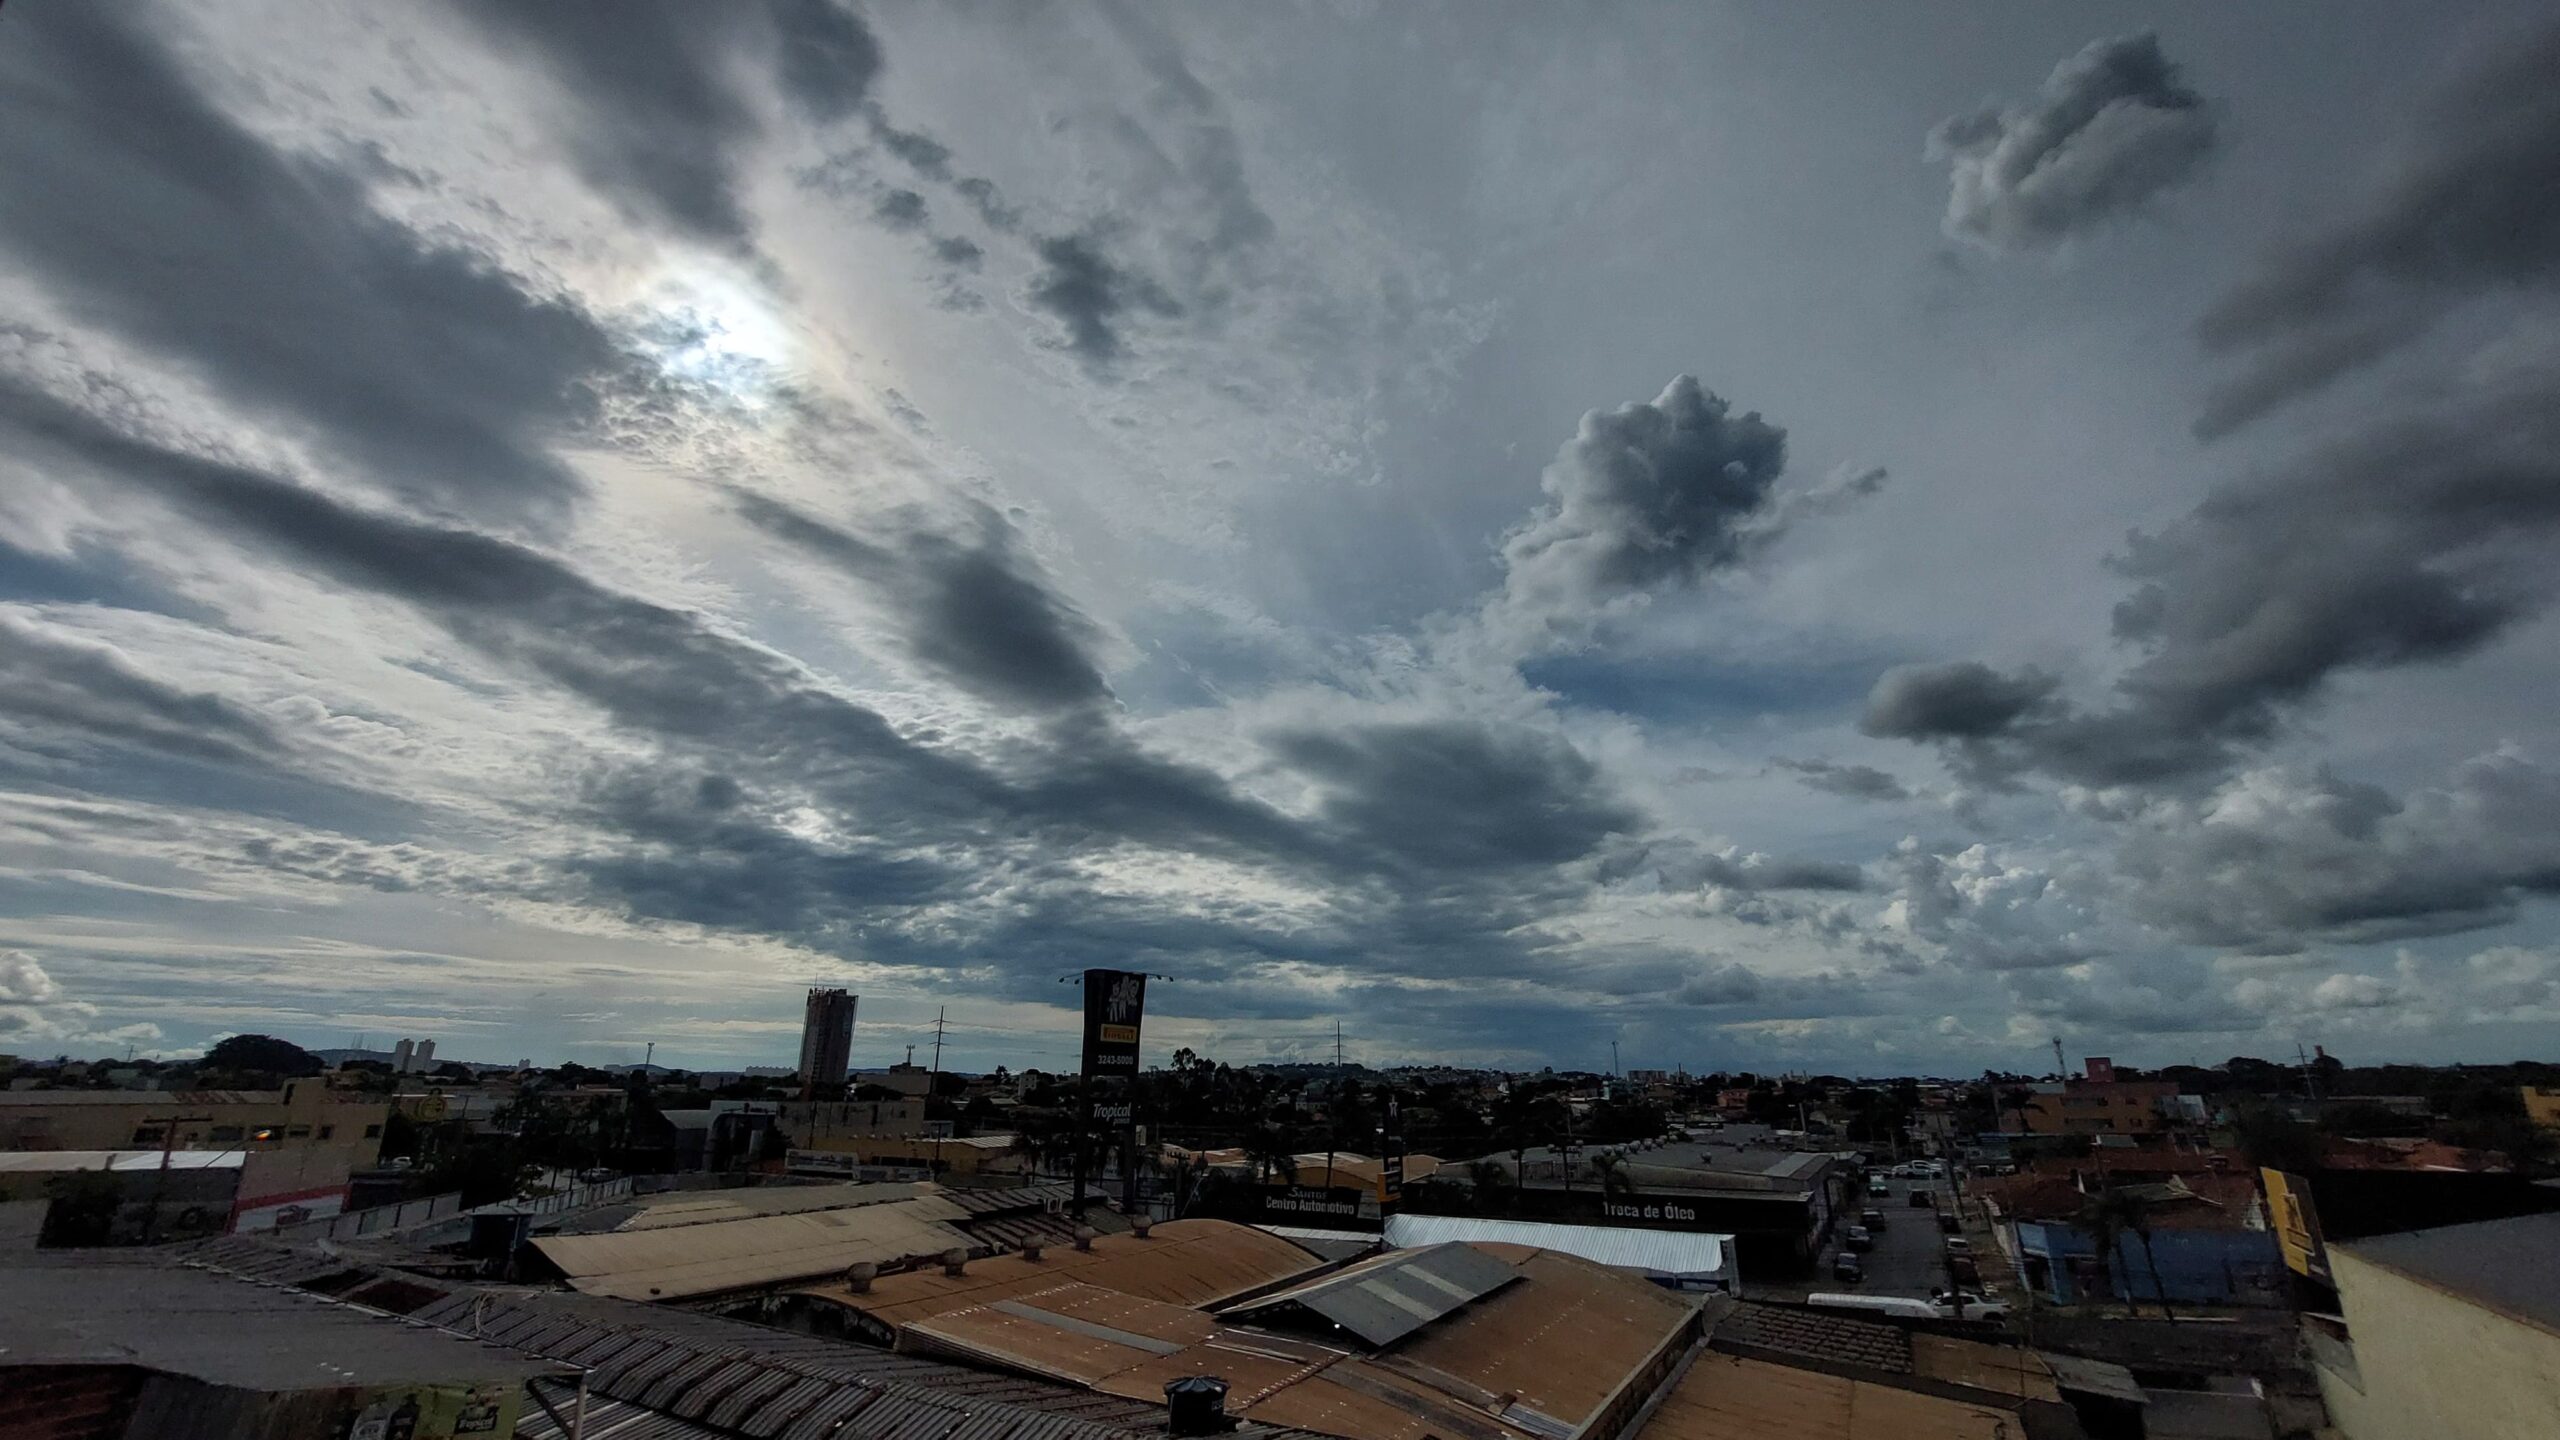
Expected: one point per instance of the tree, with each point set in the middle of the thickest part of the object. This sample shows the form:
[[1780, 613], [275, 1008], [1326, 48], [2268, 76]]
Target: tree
[[2271, 1139], [261, 1055], [1610, 1169], [1269, 1152], [1494, 1187], [2109, 1216]]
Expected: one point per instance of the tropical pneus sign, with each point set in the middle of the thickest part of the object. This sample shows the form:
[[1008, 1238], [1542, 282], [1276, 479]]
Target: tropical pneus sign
[[1115, 1001]]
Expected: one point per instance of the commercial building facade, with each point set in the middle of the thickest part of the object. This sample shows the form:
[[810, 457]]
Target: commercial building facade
[[2452, 1333], [826, 1038], [305, 1113]]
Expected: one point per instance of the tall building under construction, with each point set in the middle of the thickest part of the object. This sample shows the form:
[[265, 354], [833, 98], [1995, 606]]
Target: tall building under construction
[[826, 1039]]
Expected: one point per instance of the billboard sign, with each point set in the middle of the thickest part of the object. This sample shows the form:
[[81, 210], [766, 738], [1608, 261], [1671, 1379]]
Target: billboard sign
[[2297, 1225], [1115, 1001]]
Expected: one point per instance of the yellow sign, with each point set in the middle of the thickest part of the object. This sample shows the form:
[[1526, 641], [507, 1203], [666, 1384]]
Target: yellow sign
[[2297, 1225]]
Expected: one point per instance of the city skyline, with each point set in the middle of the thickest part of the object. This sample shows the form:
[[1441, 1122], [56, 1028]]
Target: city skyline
[[1773, 545]]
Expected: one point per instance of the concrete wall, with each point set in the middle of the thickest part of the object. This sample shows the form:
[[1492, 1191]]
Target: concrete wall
[[2427, 1364]]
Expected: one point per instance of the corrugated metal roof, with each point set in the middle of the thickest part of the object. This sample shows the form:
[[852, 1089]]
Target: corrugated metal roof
[[698, 1207], [683, 1261], [1726, 1397], [2509, 1266], [608, 1419], [1385, 1299], [1815, 1335], [1182, 1262], [1563, 1340], [224, 1330], [1658, 1252]]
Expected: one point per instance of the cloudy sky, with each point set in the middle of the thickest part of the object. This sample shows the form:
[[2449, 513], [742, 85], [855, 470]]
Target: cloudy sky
[[1774, 539]]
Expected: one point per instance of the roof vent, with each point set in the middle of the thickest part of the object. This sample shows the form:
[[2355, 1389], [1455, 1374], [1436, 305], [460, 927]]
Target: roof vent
[[1031, 1251], [955, 1261], [1197, 1405], [1084, 1237], [1139, 1225], [859, 1275]]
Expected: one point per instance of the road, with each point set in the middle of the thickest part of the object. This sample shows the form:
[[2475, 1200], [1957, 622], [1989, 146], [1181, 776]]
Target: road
[[1909, 1258]]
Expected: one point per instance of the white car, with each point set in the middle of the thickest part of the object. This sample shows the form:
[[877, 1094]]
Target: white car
[[1958, 1245]]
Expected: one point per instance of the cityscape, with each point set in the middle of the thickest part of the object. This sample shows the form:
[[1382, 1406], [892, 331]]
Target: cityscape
[[1312, 720]]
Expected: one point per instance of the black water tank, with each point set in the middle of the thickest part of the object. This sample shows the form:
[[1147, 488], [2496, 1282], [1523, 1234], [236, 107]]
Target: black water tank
[[1197, 1405]]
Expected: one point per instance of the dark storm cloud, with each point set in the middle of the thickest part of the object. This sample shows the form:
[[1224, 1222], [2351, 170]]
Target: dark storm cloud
[[1644, 495], [146, 210], [958, 251], [660, 84], [1850, 782], [2414, 542], [81, 696], [1208, 154], [1961, 700], [2110, 129], [974, 608], [2470, 211], [1092, 296], [1458, 795], [2276, 861]]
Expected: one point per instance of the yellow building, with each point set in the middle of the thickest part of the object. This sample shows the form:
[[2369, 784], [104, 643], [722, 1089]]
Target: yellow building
[[303, 1113], [2542, 1106], [2451, 1334]]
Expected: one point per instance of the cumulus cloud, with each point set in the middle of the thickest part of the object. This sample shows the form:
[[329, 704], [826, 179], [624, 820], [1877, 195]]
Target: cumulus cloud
[[2467, 209], [23, 981], [1976, 909], [1650, 494], [2111, 129]]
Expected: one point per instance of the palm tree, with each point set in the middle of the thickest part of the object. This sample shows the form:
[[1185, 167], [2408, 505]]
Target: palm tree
[[1267, 1150], [1492, 1183], [2109, 1216]]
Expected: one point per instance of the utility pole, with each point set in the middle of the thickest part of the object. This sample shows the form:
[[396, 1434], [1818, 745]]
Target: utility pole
[[2061, 1068], [160, 1182], [649, 1057], [933, 1082], [1613, 1059]]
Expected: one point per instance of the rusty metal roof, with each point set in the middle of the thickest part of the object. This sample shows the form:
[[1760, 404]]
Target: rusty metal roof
[[1726, 1397], [679, 1262], [1561, 1341], [1183, 1262]]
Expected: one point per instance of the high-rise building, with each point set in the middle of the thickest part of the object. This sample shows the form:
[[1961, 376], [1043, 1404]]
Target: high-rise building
[[401, 1056], [426, 1054], [826, 1039]]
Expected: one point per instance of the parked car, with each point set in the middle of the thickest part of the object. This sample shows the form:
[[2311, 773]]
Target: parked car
[[1947, 1222], [1962, 1270], [1925, 1199], [1858, 1238], [1958, 1245], [1872, 1219], [1967, 1305], [1848, 1270], [1877, 1189]]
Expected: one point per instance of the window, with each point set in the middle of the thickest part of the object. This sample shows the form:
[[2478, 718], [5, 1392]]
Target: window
[[222, 1133], [373, 1132], [298, 1132], [328, 1130], [149, 1134]]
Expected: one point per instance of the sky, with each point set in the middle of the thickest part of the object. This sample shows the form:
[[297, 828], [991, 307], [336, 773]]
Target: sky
[[1729, 536]]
